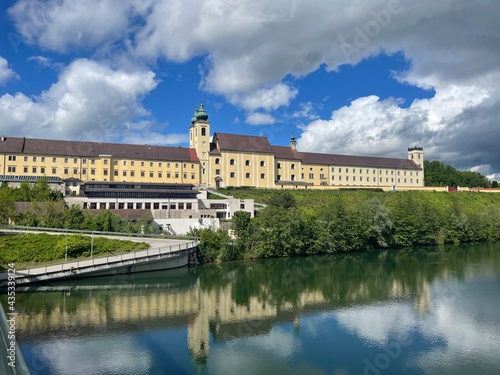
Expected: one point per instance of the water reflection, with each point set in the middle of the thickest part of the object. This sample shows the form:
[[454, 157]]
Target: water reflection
[[413, 311]]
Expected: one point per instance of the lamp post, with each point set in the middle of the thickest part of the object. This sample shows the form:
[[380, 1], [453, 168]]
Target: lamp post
[[92, 246], [66, 255]]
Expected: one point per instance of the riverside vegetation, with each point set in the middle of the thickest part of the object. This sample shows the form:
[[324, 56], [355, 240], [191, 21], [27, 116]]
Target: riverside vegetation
[[302, 222]]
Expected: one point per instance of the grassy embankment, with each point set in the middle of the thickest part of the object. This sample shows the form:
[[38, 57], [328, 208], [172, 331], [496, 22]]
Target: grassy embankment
[[31, 250], [305, 222]]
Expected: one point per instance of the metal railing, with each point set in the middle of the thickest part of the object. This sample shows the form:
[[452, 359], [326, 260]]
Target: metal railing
[[94, 264]]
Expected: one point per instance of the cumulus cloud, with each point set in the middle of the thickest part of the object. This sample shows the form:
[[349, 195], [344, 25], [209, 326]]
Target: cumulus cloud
[[250, 47], [5, 71], [259, 118], [89, 102]]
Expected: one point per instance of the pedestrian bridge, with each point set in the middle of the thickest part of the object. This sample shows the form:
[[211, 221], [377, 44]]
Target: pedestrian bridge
[[170, 254]]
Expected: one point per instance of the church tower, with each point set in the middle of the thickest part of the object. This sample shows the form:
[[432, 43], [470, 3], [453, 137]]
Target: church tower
[[417, 155], [199, 139]]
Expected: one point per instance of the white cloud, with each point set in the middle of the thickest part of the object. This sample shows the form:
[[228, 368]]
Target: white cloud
[[250, 47], [268, 98], [259, 118], [154, 138], [89, 102], [5, 72], [307, 111]]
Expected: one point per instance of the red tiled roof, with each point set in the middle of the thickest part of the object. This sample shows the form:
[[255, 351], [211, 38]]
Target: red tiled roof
[[284, 152], [94, 149], [357, 161], [237, 142]]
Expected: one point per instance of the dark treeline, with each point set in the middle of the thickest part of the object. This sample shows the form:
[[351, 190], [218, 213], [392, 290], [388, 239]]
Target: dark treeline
[[352, 221], [47, 209], [441, 174]]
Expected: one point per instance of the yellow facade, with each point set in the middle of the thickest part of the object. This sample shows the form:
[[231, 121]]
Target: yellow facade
[[225, 160]]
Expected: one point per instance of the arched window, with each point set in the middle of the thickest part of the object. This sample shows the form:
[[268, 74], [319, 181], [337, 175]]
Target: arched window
[[247, 162], [277, 166], [232, 174], [217, 161], [231, 162], [262, 163], [262, 175], [203, 131], [293, 166], [217, 171]]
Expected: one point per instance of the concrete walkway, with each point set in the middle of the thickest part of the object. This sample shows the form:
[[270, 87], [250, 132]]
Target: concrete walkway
[[159, 249]]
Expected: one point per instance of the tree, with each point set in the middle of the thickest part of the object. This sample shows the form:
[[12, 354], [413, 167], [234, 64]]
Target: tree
[[282, 199], [7, 205], [494, 184]]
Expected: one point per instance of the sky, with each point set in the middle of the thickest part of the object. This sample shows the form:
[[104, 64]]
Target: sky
[[361, 77]]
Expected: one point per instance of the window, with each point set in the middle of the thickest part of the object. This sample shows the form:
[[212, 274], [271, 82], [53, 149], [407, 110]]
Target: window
[[242, 206], [75, 171], [217, 171], [231, 162], [192, 176], [278, 177], [25, 158], [278, 166], [54, 160], [84, 171], [115, 162], [147, 206], [311, 176], [124, 162], [75, 160], [262, 176], [34, 158], [159, 175], [115, 173], [54, 170], [151, 174], [340, 170], [150, 163], [168, 174], [92, 172], [65, 170], [347, 170], [105, 172], [360, 171], [361, 179], [34, 170], [232, 174], [354, 178], [25, 170], [176, 165], [121, 206], [181, 206], [124, 173], [132, 173], [262, 163], [159, 164], [184, 175], [66, 160], [203, 131], [176, 175], [105, 162], [217, 161], [192, 166], [293, 177], [302, 175], [138, 206], [247, 175], [347, 178], [247, 163], [142, 173], [184, 165], [92, 161], [84, 161], [132, 163], [156, 206], [322, 176], [293, 167], [142, 164], [333, 178], [13, 158], [189, 206], [130, 206], [380, 179]]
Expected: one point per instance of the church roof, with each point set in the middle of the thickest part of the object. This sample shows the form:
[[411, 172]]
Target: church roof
[[246, 143], [357, 161], [286, 152], [94, 149]]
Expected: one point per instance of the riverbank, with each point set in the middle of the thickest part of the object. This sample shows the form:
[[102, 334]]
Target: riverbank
[[324, 222]]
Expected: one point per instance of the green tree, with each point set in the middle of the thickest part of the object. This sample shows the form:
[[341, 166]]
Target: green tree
[[7, 205], [282, 199], [494, 184]]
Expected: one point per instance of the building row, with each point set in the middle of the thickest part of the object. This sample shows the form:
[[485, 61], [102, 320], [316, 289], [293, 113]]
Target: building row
[[210, 161]]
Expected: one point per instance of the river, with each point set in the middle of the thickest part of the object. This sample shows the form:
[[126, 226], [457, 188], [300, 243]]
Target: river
[[405, 311]]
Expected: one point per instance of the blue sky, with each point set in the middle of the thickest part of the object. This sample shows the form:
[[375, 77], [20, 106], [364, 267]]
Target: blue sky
[[349, 77]]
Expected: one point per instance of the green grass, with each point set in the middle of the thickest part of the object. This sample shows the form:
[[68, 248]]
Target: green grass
[[28, 250]]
